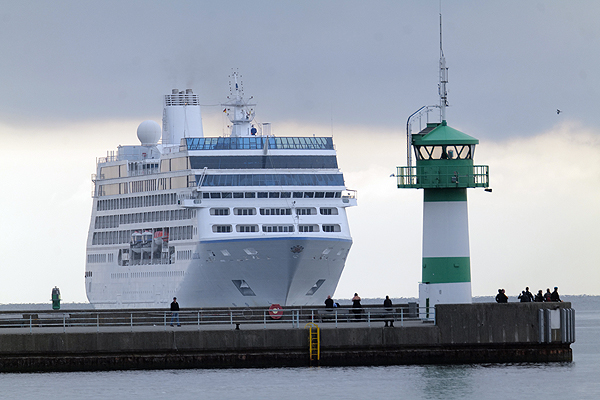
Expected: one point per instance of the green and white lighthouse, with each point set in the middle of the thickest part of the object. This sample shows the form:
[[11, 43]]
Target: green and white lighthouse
[[445, 170]]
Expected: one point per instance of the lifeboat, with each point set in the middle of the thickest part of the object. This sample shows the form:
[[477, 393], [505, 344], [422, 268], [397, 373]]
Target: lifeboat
[[136, 241], [147, 239], [160, 237]]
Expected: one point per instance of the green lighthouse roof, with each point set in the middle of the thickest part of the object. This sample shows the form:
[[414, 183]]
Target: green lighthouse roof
[[443, 134]]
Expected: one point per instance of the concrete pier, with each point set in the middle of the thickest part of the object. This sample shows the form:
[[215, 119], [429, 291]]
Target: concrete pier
[[466, 333]]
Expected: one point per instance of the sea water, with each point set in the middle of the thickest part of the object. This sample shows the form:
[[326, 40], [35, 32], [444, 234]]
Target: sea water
[[576, 380]]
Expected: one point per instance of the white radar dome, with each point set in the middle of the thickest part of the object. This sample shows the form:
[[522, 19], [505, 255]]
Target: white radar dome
[[148, 132]]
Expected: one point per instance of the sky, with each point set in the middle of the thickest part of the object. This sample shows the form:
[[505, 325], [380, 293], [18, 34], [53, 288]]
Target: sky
[[77, 78]]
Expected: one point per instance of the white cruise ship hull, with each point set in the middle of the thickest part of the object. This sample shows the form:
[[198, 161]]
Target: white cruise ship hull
[[287, 271]]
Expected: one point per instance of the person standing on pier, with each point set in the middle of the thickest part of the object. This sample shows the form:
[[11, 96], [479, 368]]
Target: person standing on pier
[[501, 297], [175, 311], [329, 303], [528, 293], [387, 303], [539, 297], [524, 297], [356, 307], [554, 296]]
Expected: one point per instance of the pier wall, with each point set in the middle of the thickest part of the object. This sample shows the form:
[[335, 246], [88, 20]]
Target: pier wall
[[471, 333]]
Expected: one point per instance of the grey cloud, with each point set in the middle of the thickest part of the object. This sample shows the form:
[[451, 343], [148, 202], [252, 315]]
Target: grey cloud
[[351, 62]]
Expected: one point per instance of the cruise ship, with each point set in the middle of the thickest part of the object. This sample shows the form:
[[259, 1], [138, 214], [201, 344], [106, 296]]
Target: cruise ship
[[244, 220]]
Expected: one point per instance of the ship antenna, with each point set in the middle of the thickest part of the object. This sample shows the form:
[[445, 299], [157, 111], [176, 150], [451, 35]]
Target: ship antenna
[[443, 78]]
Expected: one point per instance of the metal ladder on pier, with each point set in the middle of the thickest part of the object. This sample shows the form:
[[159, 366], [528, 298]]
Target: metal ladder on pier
[[314, 342]]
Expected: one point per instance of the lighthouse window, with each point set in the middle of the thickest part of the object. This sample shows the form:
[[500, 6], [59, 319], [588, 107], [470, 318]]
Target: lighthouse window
[[448, 152]]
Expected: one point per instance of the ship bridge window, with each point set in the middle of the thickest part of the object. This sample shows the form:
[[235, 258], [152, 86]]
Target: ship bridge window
[[246, 228], [262, 195], [221, 228], [286, 195], [263, 162], [309, 195], [219, 211], [272, 180], [332, 228], [273, 195], [238, 195], [249, 195], [306, 211], [244, 211], [278, 228], [275, 211], [328, 211]]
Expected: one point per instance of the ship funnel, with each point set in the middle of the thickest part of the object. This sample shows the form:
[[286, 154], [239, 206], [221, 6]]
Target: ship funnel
[[181, 117]]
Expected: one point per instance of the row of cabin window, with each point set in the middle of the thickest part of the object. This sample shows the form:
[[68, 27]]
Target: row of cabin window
[[275, 228], [271, 195], [123, 237], [275, 211], [150, 274], [113, 221], [137, 201]]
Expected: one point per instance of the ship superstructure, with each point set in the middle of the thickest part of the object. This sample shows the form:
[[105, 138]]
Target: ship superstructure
[[249, 219]]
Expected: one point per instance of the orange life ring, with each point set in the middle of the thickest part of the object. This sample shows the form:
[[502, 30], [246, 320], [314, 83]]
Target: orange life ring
[[275, 311]]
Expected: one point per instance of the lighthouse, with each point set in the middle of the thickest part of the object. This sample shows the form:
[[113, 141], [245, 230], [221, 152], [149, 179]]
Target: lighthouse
[[444, 170]]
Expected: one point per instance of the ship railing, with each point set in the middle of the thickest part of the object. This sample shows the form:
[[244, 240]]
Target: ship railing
[[213, 318]]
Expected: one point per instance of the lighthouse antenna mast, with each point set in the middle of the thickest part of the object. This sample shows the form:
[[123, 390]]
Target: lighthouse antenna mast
[[443, 78]]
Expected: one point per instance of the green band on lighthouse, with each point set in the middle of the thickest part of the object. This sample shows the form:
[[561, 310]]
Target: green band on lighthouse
[[432, 195], [446, 269]]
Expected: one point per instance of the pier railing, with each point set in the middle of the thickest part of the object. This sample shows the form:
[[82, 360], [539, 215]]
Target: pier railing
[[213, 318]]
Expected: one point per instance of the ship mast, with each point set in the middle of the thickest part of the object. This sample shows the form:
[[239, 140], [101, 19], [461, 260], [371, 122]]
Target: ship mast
[[239, 112]]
